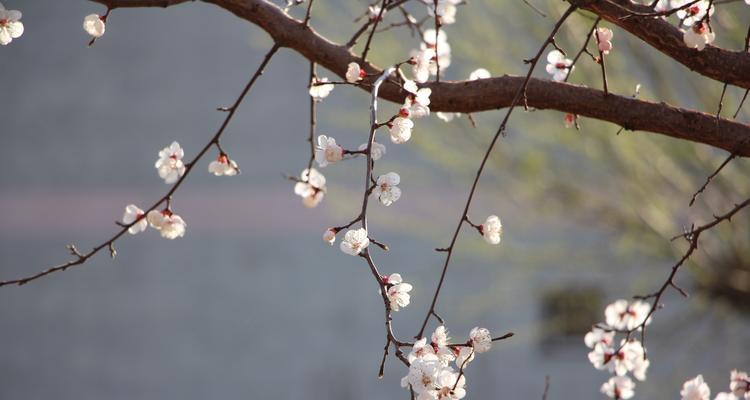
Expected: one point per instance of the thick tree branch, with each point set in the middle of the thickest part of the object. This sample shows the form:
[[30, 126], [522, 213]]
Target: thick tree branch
[[720, 64], [498, 92]]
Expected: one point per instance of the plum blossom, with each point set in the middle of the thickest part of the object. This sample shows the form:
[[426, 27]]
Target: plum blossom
[[223, 166], [421, 60], [355, 240], [446, 10], [311, 186], [618, 361], [319, 89], [739, 384], [400, 130], [438, 42], [604, 39], [354, 73], [423, 374], [698, 36], [169, 164], [479, 73], [329, 236], [621, 315], [599, 335], [94, 25], [693, 14], [695, 389], [397, 291], [377, 151], [386, 188], [132, 213], [421, 350], [440, 336], [416, 105], [618, 387], [492, 229], [558, 66], [11, 26], [480, 339], [170, 225], [327, 151]]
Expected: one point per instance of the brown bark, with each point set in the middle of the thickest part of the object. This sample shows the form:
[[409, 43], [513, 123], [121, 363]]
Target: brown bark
[[498, 92]]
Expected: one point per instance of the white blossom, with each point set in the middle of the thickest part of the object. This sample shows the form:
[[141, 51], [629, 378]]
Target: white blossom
[[618, 361], [421, 64], [354, 73], [698, 36], [377, 151], [311, 187], [11, 26], [438, 42], [329, 236], [421, 350], [479, 73], [440, 336], [169, 164], [355, 240], [386, 188], [558, 66], [327, 151], [492, 229], [447, 116], [598, 335], [132, 213], [94, 25], [320, 92], [604, 39], [695, 389], [739, 384], [417, 105], [446, 10], [423, 374], [618, 387], [621, 315], [223, 166], [481, 339], [400, 130], [170, 225], [695, 13], [397, 292]]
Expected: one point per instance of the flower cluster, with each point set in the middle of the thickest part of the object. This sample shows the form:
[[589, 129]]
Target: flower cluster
[[416, 105], [431, 375], [433, 49], [170, 225], [697, 388], [623, 357]]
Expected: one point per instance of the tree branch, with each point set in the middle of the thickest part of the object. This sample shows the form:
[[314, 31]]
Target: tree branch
[[723, 65], [498, 92]]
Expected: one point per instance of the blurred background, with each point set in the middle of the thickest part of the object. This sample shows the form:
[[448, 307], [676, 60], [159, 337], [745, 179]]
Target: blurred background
[[251, 303]]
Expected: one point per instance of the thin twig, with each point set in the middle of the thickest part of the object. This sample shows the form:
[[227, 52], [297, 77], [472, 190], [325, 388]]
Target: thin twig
[[109, 244]]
